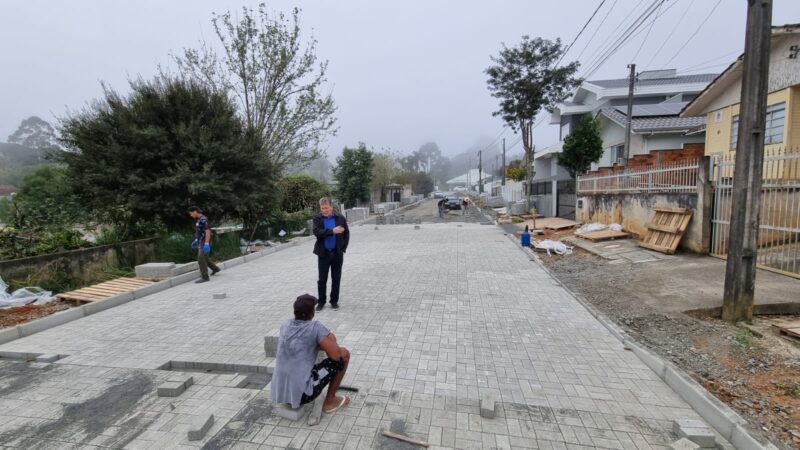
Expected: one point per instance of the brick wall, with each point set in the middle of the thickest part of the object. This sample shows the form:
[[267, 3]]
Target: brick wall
[[655, 157]]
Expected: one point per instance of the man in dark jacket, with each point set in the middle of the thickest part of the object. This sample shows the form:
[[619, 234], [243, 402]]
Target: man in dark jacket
[[332, 236]]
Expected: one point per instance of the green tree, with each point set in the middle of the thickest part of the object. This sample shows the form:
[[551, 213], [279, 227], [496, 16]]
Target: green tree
[[582, 147], [515, 170], [353, 174], [37, 134], [273, 77], [46, 201], [422, 183], [385, 168], [300, 192], [527, 79], [141, 160]]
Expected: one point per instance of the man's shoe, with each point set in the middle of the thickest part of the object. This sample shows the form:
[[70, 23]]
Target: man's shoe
[[320, 306], [202, 280], [215, 271], [335, 306]]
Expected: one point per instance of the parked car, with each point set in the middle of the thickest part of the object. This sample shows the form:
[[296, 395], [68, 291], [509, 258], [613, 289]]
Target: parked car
[[438, 195], [453, 202]]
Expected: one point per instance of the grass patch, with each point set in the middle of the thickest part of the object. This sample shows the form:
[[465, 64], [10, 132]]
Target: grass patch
[[51, 279], [177, 247], [745, 338]]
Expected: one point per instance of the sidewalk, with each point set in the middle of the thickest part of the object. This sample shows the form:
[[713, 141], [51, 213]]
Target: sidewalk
[[434, 318]]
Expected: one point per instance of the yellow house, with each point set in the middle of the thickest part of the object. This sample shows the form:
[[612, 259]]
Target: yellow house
[[719, 102]]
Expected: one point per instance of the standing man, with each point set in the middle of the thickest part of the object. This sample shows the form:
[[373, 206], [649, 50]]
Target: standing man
[[440, 206], [202, 242], [332, 239]]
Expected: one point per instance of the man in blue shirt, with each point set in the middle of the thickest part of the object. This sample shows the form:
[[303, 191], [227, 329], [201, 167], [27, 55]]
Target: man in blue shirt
[[202, 242], [332, 235]]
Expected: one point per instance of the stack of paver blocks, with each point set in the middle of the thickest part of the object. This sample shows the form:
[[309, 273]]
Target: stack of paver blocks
[[356, 214], [162, 271], [694, 434]]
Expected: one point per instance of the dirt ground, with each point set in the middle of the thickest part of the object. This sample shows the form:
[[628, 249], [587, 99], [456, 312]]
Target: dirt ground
[[750, 368], [10, 317]]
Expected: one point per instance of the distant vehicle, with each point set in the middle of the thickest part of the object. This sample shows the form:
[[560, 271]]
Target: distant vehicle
[[453, 203], [438, 195]]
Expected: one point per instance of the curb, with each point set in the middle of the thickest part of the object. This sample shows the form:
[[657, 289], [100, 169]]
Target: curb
[[725, 421], [35, 326]]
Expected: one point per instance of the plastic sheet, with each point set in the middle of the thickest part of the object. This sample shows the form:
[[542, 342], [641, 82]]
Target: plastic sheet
[[557, 247], [23, 296]]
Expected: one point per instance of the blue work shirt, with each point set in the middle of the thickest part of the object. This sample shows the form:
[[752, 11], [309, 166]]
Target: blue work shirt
[[330, 241], [200, 229]]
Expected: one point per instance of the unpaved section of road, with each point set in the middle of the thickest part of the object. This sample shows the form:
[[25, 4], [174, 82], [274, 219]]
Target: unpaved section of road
[[750, 368]]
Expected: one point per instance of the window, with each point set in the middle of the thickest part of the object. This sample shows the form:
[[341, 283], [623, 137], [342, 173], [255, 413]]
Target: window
[[542, 188], [734, 131], [616, 153], [773, 129]]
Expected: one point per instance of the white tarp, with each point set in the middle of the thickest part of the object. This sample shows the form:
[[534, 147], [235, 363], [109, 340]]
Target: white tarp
[[23, 296]]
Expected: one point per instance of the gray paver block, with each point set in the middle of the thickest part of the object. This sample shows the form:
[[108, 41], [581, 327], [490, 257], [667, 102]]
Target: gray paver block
[[679, 424], [186, 380], [239, 381], [416, 227], [287, 412], [180, 269], [200, 426], [155, 270], [696, 431], [683, 444], [47, 358], [487, 406], [171, 389], [219, 296], [271, 346]]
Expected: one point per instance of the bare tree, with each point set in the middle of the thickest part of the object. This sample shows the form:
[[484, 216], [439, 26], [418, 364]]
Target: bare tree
[[273, 77]]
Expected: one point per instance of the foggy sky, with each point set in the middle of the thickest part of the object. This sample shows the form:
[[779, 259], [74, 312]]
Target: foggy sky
[[402, 72]]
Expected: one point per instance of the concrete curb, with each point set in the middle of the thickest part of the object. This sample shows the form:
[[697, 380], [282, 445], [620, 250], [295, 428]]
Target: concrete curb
[[35, 326], [725, 421]]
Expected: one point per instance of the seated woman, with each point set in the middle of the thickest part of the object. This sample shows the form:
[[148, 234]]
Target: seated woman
[[297, 380]]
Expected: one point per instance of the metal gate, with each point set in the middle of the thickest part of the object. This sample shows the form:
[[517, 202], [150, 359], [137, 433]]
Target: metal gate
[[779, 225], [566, 199]]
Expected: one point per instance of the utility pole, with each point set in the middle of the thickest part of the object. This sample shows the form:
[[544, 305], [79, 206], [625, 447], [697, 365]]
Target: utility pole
[[631, 81], [740, 269], [480, 172], [494, 168], [504, 161]]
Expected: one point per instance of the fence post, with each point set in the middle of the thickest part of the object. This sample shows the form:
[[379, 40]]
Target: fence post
[[705, 203]]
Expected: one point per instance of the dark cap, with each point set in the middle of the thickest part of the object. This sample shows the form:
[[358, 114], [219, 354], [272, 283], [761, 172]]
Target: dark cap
[[304, 307]]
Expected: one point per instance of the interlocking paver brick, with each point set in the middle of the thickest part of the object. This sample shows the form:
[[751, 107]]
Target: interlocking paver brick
[[434, 319]]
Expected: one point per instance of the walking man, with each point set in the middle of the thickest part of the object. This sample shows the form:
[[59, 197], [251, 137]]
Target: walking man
[[440, 205], [202, 242], [297, 380], [332, 236]]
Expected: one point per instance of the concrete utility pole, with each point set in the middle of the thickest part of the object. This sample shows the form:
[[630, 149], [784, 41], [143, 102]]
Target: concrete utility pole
[[504, 161], [494, 168], [480, 172], [631, 82], [740, 271]]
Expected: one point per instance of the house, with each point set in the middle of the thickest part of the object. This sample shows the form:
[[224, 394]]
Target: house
[[659, 96], [471, 179], [7, 189], [719, 101]]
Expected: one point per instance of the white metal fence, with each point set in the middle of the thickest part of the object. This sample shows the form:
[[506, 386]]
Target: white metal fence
[[779, 228], [680, 176]]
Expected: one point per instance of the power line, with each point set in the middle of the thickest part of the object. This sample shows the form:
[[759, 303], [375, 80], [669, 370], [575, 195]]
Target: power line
[[669, 36], [694, 66], [591, 39], [699, 27], [646, 36], [607, 42], [623, 38], [581, 31]]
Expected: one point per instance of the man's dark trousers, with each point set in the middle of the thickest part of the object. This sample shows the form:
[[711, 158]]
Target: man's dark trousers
[[329, 260]]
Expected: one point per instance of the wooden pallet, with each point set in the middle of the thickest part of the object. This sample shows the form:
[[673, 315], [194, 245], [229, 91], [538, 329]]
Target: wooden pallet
[[555, 223], [666, 229], [103, 290], [791, 329], [603, 235]]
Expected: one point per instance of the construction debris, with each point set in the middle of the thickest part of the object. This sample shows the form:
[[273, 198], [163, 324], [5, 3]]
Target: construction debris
[[104, 290], [547, 245]]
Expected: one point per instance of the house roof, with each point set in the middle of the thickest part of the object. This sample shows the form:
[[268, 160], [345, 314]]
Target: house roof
[[7, 189], [556, 148], [729, 75], [679, 79], [654, 123], [659, 109], [471, 176]]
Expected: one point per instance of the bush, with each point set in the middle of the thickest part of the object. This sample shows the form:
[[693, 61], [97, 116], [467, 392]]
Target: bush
[[289, 222], [176, 247]]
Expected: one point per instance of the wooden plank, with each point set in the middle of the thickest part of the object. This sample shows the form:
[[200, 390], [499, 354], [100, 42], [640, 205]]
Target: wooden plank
[[603, 235], [555, 223], [80, 298], [665, 228], [99, 290], [130, 282], [405, 438], [658, 248], [671, 210]]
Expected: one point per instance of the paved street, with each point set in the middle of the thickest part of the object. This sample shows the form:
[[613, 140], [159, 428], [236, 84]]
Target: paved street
[[434, 317]]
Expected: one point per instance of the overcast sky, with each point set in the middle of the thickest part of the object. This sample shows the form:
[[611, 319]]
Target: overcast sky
[[402, 72]]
